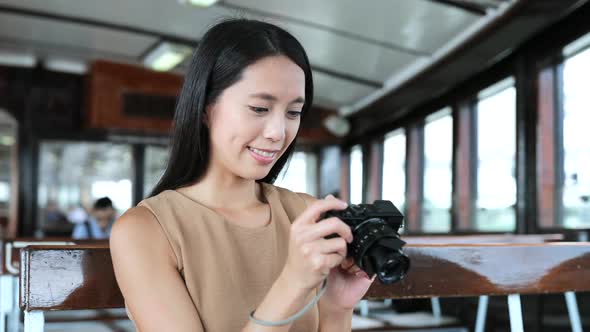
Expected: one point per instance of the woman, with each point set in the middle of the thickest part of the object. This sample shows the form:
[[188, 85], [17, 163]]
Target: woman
[[217, 247]]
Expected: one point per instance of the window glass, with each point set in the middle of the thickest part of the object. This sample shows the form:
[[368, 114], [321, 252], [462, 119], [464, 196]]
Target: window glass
[[438, 158], [356, 175], [73, 175], [576, 141], [496, 168], [394, 169]]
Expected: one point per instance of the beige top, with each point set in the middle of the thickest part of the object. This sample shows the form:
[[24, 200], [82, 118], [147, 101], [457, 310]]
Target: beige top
[[227, 268]]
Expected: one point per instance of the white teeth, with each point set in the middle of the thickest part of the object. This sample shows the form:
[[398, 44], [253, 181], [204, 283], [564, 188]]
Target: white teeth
[[263, 153]]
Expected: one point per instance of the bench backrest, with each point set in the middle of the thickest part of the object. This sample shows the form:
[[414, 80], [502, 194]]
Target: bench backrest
[[459, 270], [68, 278], [10, 249], [483, 238], [82, 277]]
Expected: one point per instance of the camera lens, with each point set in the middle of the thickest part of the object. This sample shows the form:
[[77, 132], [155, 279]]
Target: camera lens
[[389, 265], [393, 269]]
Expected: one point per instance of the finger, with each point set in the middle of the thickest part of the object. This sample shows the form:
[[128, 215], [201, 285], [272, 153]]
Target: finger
[[315, 210], [331, 197], [333, 260], [327, 227], [335, 245], [347, 263], [353, 269]]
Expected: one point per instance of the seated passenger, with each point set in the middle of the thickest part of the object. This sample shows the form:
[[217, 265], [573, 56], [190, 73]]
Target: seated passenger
[[98, 225]]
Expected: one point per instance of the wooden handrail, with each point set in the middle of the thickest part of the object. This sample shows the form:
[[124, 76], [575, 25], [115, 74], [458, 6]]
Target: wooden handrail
[[82, 277]]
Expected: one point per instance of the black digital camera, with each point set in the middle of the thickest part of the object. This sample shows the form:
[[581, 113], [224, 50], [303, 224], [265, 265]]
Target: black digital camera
[[376, 247]]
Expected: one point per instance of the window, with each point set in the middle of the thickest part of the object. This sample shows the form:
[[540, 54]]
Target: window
[[394, 169], [73, 175], [299, 174], [576, 141], [496, 167], [156, 159], [438, 159], [8, 160], [356, 175]]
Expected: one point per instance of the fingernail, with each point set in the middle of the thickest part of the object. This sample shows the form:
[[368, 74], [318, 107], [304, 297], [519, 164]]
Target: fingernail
[[374, 277], [362, 273]]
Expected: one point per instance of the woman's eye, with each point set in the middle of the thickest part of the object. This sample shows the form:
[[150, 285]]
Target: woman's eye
[[294, 114], [258, 110]]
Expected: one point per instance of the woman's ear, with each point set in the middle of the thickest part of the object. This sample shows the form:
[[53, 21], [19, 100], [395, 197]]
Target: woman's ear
[[207, 116]]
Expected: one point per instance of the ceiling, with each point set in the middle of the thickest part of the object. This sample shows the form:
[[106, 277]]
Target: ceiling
[[358, 49]]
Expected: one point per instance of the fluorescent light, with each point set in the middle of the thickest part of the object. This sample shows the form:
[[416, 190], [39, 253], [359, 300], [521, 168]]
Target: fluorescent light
[[66, 65], [577, 45], [166, 56], [7, 140], [15, 59], [199, 3], [337, 125]]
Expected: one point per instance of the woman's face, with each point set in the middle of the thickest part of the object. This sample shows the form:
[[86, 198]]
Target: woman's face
[[255, 120]]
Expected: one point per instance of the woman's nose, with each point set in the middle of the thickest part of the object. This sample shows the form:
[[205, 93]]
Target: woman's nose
[[275, 128]]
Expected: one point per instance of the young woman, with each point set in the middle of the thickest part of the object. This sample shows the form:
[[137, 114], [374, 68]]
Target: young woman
[[217, 247]]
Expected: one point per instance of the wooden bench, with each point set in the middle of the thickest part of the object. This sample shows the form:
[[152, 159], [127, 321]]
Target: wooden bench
[[9, 273], [483, 238], [72, 277], [81, 276], [463, 270], [436, 318]]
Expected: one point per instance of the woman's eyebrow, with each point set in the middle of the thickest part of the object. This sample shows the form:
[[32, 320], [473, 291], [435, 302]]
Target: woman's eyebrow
[[269, 97]]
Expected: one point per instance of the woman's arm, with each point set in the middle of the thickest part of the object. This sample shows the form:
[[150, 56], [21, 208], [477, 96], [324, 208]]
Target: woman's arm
[[282, 301], [146, 271], [334, 321]]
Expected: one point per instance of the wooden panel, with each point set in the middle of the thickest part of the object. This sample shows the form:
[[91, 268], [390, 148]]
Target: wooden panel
[[546, 149], [78, 277], [414, 178], [490, 269], [113, 86], [464, 175], [68, 278], [375, 167], [483, 238], [10, 249], [108, 82]]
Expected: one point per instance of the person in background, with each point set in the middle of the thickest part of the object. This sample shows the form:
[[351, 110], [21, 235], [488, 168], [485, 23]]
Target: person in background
[[98, 225], [55, 223]]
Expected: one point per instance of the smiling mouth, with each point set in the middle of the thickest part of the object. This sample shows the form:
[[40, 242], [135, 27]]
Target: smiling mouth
[[269, 154]]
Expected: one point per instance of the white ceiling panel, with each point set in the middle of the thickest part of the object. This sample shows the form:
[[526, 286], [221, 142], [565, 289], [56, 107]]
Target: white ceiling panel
[[419, 25], [331, 90], [353, 45], [367, 61], [31, 31], [160, 16]]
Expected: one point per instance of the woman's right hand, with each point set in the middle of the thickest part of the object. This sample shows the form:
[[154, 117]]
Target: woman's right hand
[[311, 256]]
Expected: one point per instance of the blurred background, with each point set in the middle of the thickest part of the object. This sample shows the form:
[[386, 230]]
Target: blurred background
[[471, 116]]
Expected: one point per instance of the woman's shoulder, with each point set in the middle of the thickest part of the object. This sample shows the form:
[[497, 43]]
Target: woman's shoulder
[[140, 226], [290, 197], [163, 197]]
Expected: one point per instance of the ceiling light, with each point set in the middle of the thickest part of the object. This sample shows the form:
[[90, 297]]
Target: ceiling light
[[15, 59], [337, 125], [7, 140], [66, 65], [199, 3], [166, 56]]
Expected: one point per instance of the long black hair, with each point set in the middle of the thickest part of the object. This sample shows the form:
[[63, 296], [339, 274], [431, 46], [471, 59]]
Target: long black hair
[[219, 60]]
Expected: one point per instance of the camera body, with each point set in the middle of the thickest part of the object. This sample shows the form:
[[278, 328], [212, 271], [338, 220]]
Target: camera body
[[376, 247]]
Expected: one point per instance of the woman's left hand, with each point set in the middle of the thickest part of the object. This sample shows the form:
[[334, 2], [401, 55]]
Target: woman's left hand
[[347, 284]]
